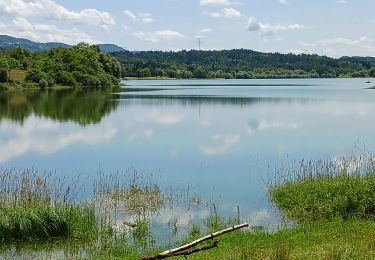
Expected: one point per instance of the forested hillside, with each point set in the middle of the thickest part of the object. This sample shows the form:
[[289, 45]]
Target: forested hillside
[[82, 65], [241, 64]]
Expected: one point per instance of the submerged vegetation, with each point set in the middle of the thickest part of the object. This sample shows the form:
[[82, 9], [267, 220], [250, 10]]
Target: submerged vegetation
[[82, 65]]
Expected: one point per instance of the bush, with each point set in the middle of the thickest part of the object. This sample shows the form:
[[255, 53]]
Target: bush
[[107, 80], [87, 80], [144, 73], [4, 76], [65, 78], [43, 84], [35, 75], [372, 73]]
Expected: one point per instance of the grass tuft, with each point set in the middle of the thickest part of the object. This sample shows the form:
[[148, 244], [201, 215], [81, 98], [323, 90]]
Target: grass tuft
[[343, 192], [41, 207]]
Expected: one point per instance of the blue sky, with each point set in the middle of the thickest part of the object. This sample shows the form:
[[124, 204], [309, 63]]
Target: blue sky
[[330, 27]]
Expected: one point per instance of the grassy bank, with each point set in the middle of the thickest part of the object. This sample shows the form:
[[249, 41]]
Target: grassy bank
[[352, 239], [324, 240]]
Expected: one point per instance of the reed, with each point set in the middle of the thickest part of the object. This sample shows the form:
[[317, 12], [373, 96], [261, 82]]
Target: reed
[[39, 207]]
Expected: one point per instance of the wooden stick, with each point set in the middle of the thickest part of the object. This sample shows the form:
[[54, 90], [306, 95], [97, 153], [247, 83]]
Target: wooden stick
[[196, 250], [173, 252]]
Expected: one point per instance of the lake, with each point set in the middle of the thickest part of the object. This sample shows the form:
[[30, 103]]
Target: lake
[[219, 138]]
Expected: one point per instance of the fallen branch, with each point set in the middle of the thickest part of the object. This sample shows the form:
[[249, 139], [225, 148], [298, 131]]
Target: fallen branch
[[190, 248], [196, 250]]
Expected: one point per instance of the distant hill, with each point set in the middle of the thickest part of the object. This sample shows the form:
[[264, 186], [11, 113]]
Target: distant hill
[[9, 42], [110, 48]]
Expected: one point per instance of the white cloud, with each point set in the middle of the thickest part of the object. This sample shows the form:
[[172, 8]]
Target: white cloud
[[158, 36], [46, 32], [215, 2], [331, 46], [203, 30], [284, 2], [345, 41], [2, 26], [126, 28], [223, 144], [342, 1], [146, 17], [340, 46], [253, 24], [143, 17], [229, 13], [268, 29], [51, 10], [213, 14], [130, 14]]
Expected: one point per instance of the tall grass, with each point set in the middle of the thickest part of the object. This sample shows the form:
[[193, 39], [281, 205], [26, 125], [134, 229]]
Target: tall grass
[[341, 187], [34, 206]]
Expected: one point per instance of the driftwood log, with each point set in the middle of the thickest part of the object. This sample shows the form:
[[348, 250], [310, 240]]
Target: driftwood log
[[190, 248]]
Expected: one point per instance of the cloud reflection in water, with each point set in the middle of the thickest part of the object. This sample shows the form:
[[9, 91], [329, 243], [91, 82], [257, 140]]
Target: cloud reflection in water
[[45, 136]]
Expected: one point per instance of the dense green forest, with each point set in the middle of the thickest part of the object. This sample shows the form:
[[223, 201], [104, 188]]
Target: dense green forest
[[241, 64], [82, 65]]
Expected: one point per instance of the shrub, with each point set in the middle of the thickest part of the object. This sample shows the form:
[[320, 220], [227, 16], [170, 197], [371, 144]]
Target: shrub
[[372, 72], [65, 78], [86, 80], [4, 76], [35, 75], [43, 84], [106, 80]]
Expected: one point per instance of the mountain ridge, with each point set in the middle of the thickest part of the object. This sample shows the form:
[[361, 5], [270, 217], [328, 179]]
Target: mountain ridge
[[9, 42]]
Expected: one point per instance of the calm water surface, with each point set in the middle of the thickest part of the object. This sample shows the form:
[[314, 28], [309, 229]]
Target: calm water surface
[[220, 137]]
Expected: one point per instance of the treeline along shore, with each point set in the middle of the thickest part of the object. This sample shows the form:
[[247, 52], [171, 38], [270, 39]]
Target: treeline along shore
[[84, 65], [241, 64]]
